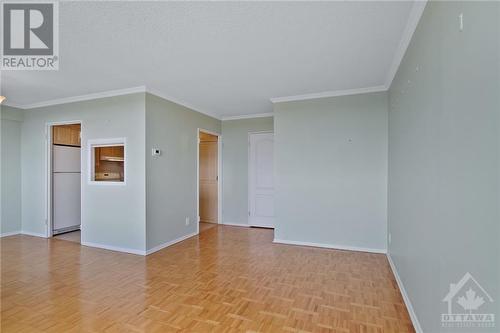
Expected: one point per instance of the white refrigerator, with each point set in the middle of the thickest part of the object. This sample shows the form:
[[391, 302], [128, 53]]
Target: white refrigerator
[[66, 184]]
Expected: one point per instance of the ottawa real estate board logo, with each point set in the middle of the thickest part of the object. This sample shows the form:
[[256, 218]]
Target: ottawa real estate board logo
[[30, 35], [468, 303]]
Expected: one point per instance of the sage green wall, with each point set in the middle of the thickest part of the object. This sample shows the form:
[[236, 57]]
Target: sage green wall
[[111, 215], [331, 171], [444, 127], [235, 166], [10, 182], [171, 194]]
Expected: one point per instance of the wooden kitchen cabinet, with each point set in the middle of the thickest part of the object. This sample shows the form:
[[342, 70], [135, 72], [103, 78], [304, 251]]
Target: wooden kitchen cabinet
[[68, 135], [112, 151]]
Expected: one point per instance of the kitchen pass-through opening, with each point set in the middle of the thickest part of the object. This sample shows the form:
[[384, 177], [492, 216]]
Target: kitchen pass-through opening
[[107, 161]]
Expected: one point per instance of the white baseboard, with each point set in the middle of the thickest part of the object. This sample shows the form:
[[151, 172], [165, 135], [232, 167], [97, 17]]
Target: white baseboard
[[409, 307], [169, 243], [330, 246], [35, 234], [236, 224], [10, 233], [114, 248]]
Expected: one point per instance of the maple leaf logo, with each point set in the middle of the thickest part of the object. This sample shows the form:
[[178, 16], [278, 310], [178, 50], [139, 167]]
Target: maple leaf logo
[[470, 301]]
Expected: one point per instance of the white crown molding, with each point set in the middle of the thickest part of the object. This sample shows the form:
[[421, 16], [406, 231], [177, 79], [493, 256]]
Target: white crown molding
[[334, 93], [182, 103], [6, 103], [406, 298], [248, 116], [110, 93], [413, 19], [330, 246], [103, 94]]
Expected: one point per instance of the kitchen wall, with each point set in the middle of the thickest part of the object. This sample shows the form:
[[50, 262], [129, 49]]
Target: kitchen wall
[[235, 166], [331, 171], [171, 194], [10, 182], [444, 147], [112, 215]]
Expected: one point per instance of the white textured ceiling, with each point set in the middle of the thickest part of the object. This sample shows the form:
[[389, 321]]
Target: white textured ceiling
[[223, 58]]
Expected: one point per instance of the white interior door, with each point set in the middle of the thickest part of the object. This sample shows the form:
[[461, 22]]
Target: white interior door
[[260, 178]]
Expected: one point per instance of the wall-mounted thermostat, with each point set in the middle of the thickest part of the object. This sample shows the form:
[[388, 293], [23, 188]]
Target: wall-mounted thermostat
[[156, 152]]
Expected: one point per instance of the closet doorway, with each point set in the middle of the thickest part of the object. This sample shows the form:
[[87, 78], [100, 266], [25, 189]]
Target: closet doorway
[[66, 181], [208, 179]]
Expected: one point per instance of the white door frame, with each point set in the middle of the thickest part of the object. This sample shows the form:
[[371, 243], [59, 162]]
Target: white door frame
[[248, 170], [219, 176], [48, 180]]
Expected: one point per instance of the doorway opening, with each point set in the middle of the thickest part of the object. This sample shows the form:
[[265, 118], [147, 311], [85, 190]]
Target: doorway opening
[[209, 208], [65, 181]]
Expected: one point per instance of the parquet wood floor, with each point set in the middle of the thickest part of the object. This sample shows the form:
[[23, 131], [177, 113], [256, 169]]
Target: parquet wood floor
[[205, 226], [73, 236], [227, 279]]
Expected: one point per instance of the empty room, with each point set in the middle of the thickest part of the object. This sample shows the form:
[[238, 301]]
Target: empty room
[[250, 166]]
